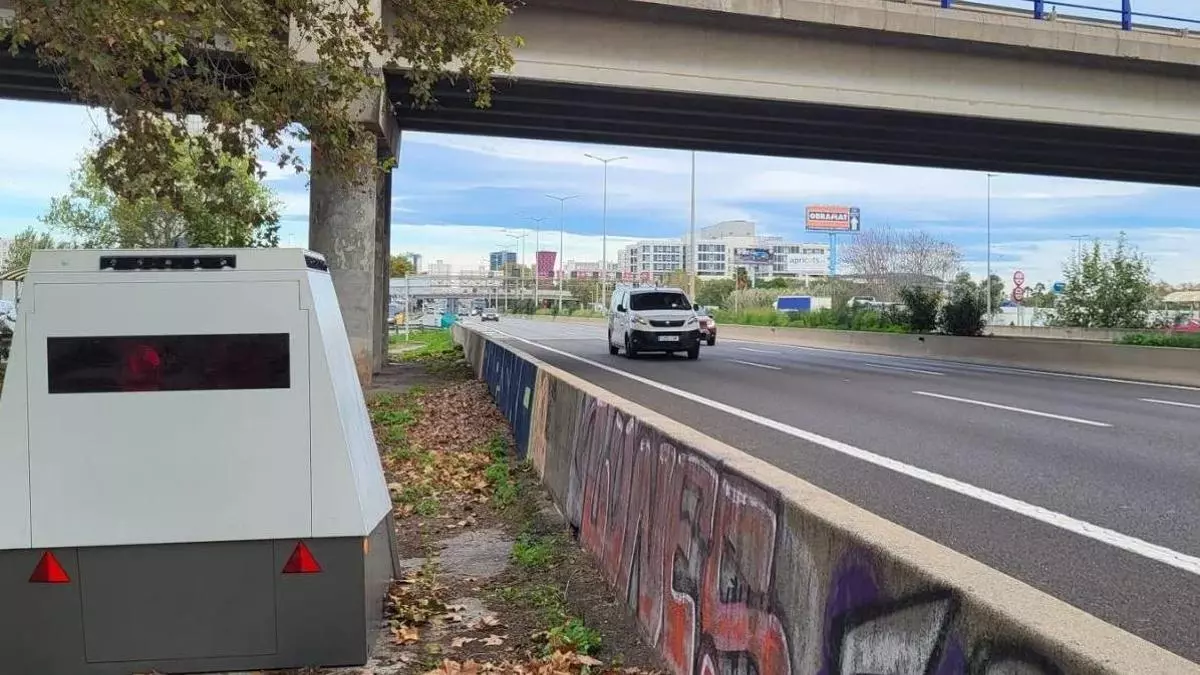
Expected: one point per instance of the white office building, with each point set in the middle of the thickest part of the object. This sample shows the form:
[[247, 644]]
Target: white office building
[[717, 249], [655, 258], [440, 268], [588, 269]]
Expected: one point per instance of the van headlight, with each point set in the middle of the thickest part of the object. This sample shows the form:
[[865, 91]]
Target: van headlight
[[692, 321], [640, 321]]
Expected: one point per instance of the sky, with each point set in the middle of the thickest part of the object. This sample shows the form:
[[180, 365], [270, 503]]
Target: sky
[[456, 197]]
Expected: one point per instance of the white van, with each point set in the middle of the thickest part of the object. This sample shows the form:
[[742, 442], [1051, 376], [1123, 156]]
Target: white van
[[653, 320]]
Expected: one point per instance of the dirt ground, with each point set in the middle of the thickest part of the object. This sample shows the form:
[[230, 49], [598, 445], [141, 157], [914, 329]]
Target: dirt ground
[[492, 580]]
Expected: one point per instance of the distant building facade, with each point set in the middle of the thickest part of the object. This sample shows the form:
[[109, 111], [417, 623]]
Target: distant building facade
[[720, 250], [498, 259]]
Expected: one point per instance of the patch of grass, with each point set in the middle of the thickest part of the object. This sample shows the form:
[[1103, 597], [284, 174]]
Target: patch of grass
[[1184, 340], [499, 473], [573, 635], [534, 553]]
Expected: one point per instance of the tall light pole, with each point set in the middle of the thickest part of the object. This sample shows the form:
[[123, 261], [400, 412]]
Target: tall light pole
[[692, 236], [604, 224], [990, 176], [521, 274], [504, 274], [562, 256], [537, 246]]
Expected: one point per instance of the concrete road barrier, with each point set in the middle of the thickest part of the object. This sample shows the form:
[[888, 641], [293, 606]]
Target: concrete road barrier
[[1166, 365], [728, 562], [1150, 364]]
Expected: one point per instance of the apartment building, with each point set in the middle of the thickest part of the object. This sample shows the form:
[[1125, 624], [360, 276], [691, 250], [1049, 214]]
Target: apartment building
[[717, 254]]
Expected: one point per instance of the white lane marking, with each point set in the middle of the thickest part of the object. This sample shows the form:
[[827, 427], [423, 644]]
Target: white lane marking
[[1003, 370], [901, 368], [1162, 554], [756, 365], [1179, 404], [757, 351], [1009, 408]]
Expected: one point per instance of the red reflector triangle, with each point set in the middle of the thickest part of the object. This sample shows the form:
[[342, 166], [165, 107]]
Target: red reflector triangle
[[302, 561], [49, 571]]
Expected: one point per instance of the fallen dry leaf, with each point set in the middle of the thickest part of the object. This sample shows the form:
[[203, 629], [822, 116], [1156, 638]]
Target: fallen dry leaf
[[494, 640], [460, 641], [406, 634]]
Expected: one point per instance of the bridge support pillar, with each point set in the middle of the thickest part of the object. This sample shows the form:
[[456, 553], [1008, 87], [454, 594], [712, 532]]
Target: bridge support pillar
[[349, 223]]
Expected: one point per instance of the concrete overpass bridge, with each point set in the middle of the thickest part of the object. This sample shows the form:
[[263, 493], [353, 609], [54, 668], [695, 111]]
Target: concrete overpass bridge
[[920, 82]]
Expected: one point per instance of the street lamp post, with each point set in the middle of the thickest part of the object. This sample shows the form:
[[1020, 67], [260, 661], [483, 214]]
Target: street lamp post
[[692, 236], [521, 273], [537, 246], [562, 257], [504, 276], [604, 224], [990, 176]]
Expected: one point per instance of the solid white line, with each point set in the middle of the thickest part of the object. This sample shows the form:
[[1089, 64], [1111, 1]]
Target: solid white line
[[1082, 528], [1174, 403], [1003, 370], [909, 370], [1025, 411], [756, 365], [757, 351]]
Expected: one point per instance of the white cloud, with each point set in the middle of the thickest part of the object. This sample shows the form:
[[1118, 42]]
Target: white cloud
[[659, 182], [572, 154]]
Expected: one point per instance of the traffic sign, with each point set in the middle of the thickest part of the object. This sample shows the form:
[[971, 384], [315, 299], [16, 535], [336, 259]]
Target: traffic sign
[[1060, 286], [1018, 278], [1018, 294]]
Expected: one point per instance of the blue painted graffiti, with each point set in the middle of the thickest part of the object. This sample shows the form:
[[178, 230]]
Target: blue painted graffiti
[[511, 380]]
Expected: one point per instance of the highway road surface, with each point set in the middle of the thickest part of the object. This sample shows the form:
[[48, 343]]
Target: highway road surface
[[1086, 488]]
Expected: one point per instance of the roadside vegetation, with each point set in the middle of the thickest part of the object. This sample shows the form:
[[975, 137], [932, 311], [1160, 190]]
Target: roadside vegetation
[[494, 582], [434, 349], [1184, 340]]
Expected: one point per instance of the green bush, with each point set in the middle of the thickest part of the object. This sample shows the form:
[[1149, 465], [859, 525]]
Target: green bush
[[963, 315], [921, 308], [1185, 340]]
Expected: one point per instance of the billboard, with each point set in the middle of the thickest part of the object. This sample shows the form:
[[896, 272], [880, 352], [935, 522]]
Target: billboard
[[752, 256], [545, 264], [806, 264], [832, 219]]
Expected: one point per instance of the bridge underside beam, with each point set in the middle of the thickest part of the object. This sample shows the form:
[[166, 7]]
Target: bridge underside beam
[[619, 116]]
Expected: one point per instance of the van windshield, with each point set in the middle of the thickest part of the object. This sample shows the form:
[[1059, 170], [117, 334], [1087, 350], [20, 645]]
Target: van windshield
[[643, 302]]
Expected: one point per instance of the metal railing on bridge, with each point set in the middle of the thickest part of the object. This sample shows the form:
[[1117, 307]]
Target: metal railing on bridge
[[1124, 16]]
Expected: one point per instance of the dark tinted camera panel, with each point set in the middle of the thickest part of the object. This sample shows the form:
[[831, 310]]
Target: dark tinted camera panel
[[103, 365]]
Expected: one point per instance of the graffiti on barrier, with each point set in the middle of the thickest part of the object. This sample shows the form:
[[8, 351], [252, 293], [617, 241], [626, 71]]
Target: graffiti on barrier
[[691, 548], [723, 577], [870, 632]]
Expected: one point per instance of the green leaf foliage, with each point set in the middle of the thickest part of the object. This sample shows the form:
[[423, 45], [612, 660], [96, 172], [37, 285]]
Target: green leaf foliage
[[259, 73], [24, 244], [921, 308], [1107, 287], [963, 314], [237, 211]]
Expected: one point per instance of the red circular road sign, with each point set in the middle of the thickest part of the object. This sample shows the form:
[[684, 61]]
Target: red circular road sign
[[1018, 294], [1018, 278]]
